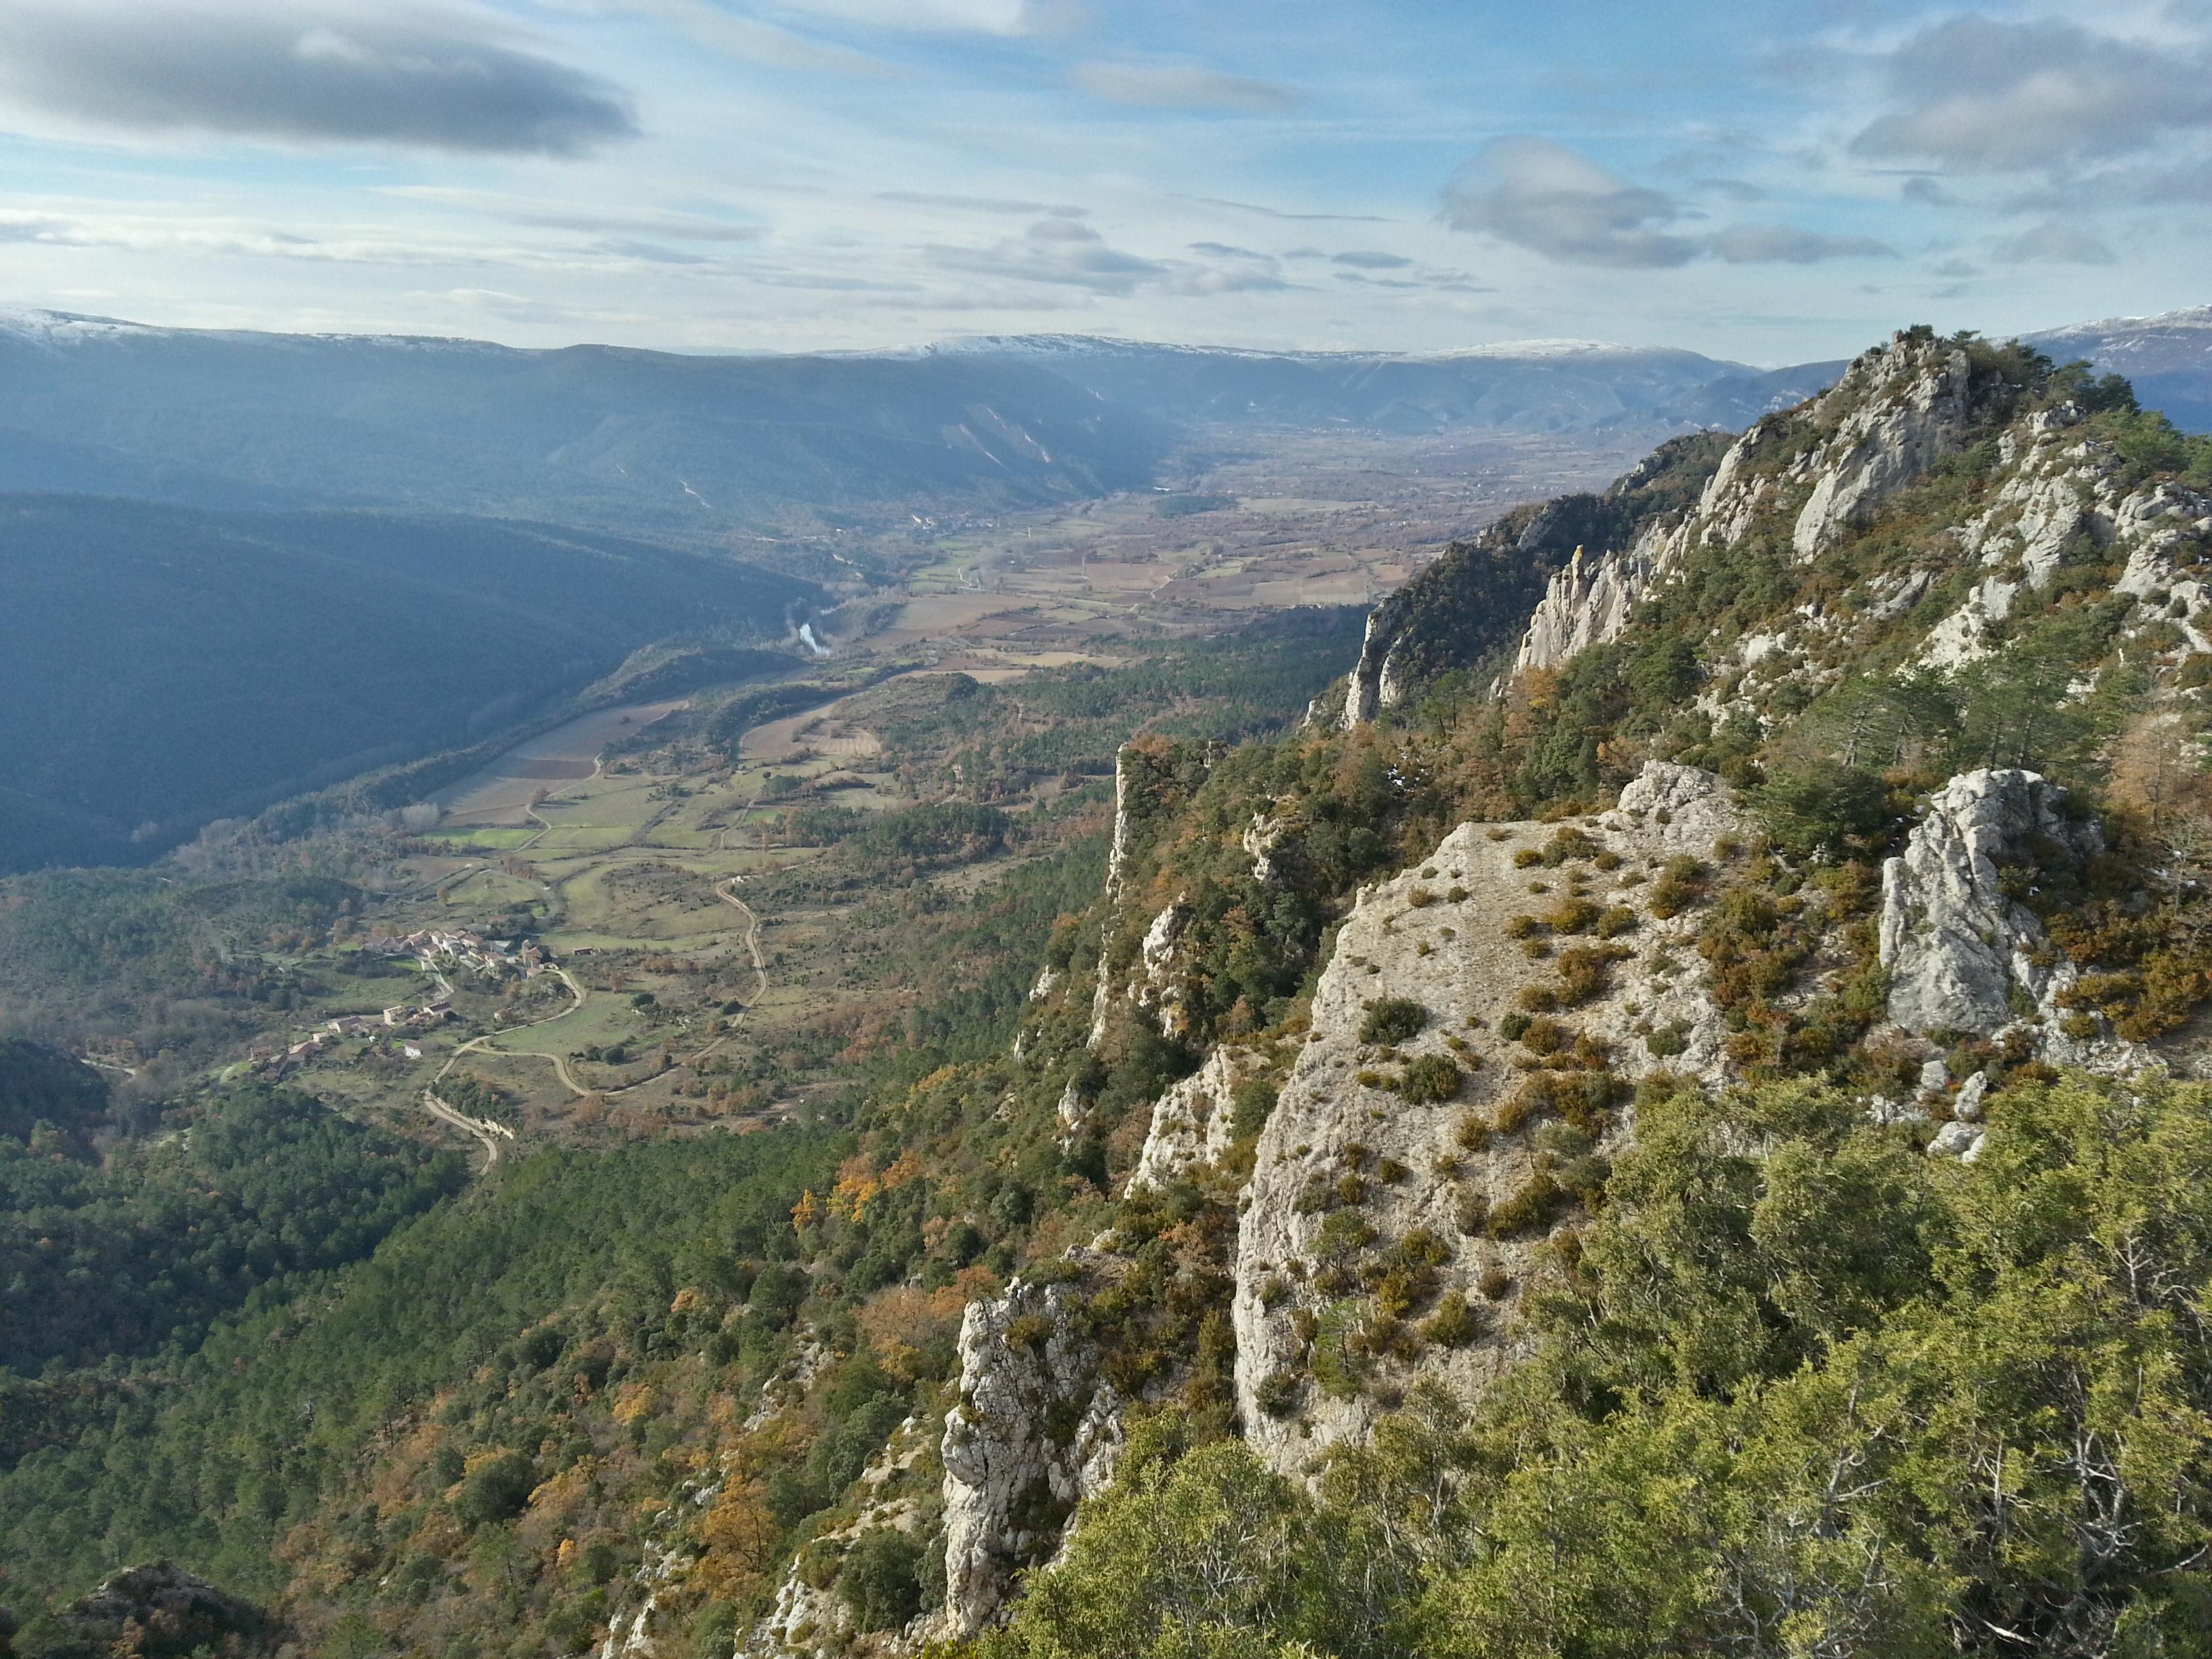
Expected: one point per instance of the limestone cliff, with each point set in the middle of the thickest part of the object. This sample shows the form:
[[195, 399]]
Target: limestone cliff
[[1965, 951], [1036, 1431], [1442, 1076], [1897, 410], [1405, 1184], [1474, 600], [1193, 1124]]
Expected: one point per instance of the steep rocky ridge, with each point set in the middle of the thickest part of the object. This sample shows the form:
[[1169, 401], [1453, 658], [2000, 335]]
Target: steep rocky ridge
[[1864, 748], [1475, 596], [1895, 412], [1037, 1432]]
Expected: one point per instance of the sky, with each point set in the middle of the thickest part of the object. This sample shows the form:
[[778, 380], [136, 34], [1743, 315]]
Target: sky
[[1765, 180]]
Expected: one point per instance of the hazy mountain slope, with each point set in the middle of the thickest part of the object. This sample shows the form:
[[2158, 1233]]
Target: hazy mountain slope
[[1734, 401], [590, 433], [1532, 387], [2168, 357], [160, 666]]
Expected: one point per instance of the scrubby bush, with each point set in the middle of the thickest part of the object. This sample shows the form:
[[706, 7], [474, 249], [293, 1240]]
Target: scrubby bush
[[1252, 1102], [1455, 1323], [1531, 1207], [1392, 1019], [880, 1583], [1431, 1079], [1682, 883], [496, 1489]]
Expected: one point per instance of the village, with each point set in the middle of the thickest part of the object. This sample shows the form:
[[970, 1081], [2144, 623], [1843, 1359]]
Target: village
[[439, 950]]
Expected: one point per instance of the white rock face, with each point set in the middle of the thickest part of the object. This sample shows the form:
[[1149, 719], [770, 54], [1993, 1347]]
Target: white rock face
[[1155, 985], [2060, 493], [1684, 808], [1013, 1473], [1074, 1110], [1961, 955], [1913, 408], [1155, 988], [1956, 1139], [1911, 411], [1264, 840], [1191, 1122], [1409, 936], [1117, 864], [807, 1620], [1588, 603], [1363, 699]]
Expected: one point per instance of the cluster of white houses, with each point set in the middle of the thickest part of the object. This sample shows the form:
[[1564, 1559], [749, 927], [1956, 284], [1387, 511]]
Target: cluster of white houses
[[435, 947]]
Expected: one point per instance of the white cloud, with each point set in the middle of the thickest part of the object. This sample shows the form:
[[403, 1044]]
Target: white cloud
[[570, 216], [750, 39], [312, 71], [1756, 245], [1984, 94], [925, 17], [978, 203], [1061, 252], [1543, 197]]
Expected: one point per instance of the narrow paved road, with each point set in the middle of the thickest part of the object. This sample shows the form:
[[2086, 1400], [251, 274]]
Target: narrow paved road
[[488, 1134]]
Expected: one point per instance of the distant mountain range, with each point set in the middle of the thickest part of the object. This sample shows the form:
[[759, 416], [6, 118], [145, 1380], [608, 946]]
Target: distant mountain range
[[2169, 358], [162, 666], [1533, 385], [640, 440], [695, 446], [1540, 385]]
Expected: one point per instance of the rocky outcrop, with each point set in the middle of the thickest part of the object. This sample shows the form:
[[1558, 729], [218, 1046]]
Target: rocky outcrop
[[1037, 1432], [633, 1632], [1156, 982], [1117, 864], [1315, 1362], [2063, 498], [1898, 411], [1191, 1122], [1474, 601], [1266, 840], [1363, 698], [163, 1612], [1587, 603], [1963, 955], [1683, 809], [1147, 782]]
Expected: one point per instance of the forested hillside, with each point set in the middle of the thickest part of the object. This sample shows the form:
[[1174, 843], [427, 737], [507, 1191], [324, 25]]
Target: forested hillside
[[160, 667]]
